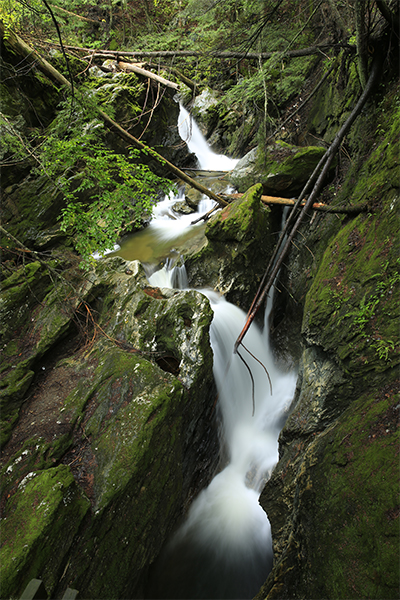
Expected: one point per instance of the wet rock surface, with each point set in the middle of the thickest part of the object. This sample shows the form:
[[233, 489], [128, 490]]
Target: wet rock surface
[[281, 168], [237, 247]]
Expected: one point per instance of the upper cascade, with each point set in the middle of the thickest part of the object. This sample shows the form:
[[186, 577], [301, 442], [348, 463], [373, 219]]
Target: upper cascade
[[191, 134]]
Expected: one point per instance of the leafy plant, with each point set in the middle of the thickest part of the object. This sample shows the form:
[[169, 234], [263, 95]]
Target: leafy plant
[[104, 190], [383, 348]]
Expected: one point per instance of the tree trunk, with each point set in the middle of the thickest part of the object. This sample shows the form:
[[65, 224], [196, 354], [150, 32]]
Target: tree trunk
[[20, 47], [287, 236], [362, 52], [129, 67]]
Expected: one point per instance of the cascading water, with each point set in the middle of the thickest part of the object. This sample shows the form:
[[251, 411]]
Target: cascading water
[[191, 134], [224, 548]]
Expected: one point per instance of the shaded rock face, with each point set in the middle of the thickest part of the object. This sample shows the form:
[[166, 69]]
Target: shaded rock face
[[121, 434], [281, 168], [146, 112], [332, 499], [16, 86]]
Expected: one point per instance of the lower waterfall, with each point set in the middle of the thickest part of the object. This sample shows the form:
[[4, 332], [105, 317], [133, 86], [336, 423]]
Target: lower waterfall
[[224, 548]]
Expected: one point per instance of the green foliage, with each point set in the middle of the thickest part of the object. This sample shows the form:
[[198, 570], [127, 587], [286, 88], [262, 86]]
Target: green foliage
[[16, 14], [104, 190]]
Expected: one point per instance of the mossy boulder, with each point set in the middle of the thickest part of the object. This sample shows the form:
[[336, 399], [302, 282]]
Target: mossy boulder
[[343, 538], [42, 518], [281, 168], [131, 416], [238, 244]]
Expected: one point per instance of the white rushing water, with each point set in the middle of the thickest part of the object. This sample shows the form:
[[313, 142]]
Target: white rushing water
[[191, 134], [224, 548]]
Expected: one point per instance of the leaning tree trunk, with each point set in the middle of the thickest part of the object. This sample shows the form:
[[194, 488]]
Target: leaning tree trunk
[[325, 162], [17, 45], [361, 41]]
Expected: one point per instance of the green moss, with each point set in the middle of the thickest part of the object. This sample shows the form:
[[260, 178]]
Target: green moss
[[6, 426], [239, 219], [336, 99], [352, 305], [44, 514], [126, 441], [355, 511], [20, 292], [13, 388]]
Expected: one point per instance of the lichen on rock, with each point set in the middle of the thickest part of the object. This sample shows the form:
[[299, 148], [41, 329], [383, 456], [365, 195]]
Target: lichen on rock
[[45, 513]]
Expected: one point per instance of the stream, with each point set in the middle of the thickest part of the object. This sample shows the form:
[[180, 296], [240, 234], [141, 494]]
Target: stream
[[223, 550]]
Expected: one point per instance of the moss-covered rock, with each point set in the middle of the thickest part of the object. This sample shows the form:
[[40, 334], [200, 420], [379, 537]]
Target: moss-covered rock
[[343, 541], [126, 96], [42, 519], [281, 168], [238, 245], [334, 101], [37, 310], [133, 420]]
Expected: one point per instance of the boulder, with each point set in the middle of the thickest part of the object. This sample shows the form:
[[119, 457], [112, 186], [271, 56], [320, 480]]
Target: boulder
[[42, 518], [281, 168], [236, 250]]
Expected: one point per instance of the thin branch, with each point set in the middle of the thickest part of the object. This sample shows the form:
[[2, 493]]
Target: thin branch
[[252, 381], [262, 364]]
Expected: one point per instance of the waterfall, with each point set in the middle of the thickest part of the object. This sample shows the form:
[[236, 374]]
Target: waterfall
[[191, 134], [223, 550]]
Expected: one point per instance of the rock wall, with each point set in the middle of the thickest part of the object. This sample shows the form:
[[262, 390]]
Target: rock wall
[[120, 432], [333, 497], [107, 393]]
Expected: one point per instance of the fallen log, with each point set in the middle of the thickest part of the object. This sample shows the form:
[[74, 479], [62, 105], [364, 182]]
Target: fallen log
[[131, 68], [196, 88], [17, 45], [356, 209], [237, 55]]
